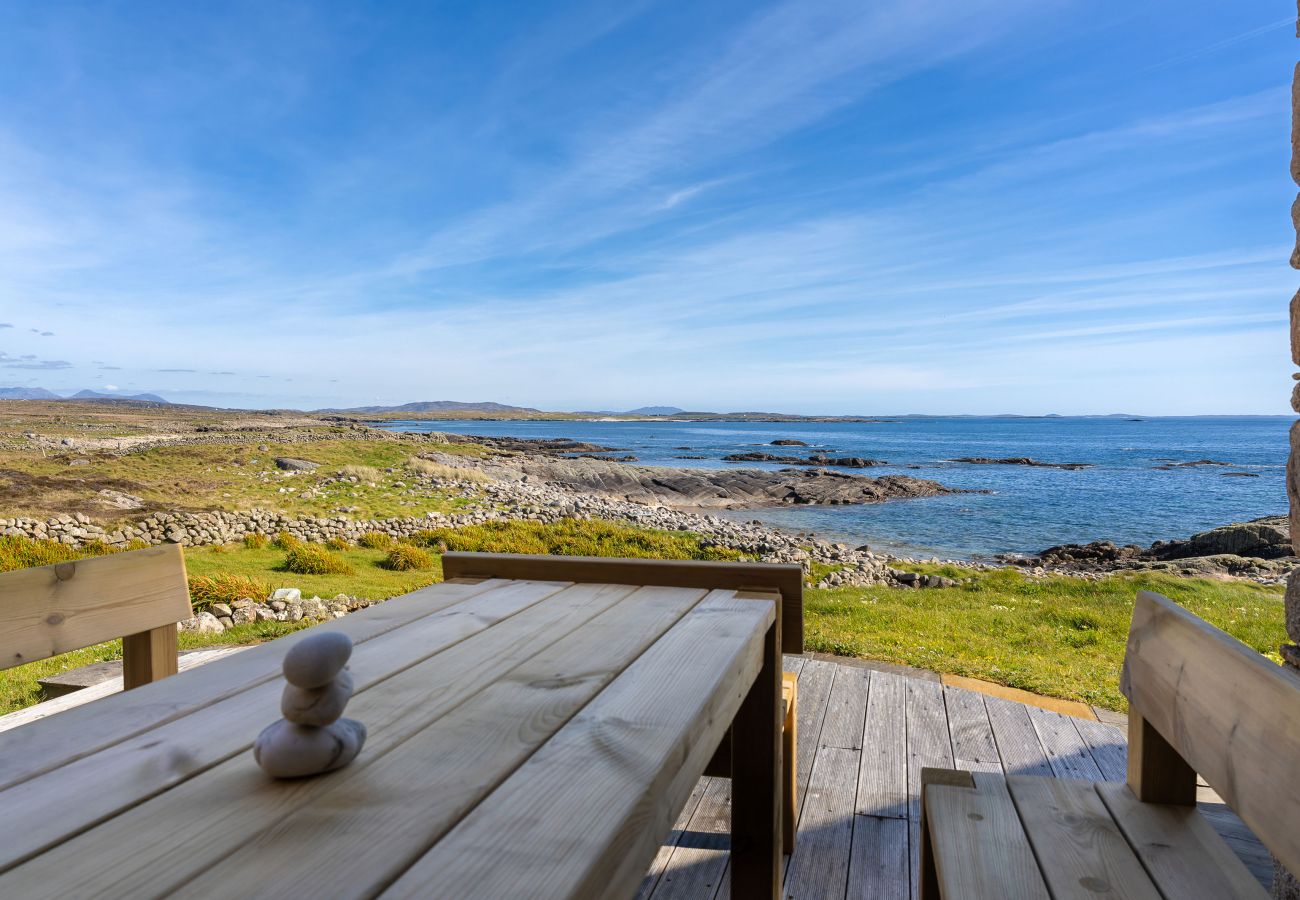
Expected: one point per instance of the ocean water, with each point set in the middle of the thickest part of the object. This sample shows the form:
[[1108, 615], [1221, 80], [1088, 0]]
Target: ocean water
[[1124, 497]]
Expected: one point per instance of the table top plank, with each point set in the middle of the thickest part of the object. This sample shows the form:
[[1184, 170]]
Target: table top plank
[[409, 798], [167, 842], [980, 847], [65, 801], [1179, 848], [1082, 851], [26, 752], [585, 815]]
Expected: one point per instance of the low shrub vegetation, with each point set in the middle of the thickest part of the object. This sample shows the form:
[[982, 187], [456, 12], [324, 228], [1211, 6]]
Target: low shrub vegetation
[[572, 537], [255, 540], [313, 559], [375, 540], [407, 558], [226, 587], [337, 543], [285, 541], [368, 474]]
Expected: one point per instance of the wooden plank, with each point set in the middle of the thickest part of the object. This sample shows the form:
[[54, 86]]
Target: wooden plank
[[665, 852], [882, 780], [756, 775], [149, 656], [404, 664], [820, 863], [25, 752], [697, 866], [979, 847], [47, 708], [1233, 715], [846, 709], [814, 693], [1018, 744], [1108, 748], [409, 798], [49, 610], [1083, 851], [973, 747], [1179, 848], [636, 750], [1066, 750], [784, 578], [878, 859], [927, 747]]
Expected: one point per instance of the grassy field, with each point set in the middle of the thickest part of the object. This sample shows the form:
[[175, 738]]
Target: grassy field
[[224, 476], [1062, 637], [1058, 636]]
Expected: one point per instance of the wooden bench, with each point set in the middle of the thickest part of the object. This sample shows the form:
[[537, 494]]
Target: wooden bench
[[787, 579], [1200, 702], [138, 596]]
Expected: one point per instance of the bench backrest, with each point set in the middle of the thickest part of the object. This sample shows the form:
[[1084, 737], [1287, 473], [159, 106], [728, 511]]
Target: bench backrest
[[1203, 702], [781, 578], [138, 596]]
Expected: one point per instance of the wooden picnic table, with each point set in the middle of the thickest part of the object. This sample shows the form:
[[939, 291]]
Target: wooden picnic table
[[527, 737]]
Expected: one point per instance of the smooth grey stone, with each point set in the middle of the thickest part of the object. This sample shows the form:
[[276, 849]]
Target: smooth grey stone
[[314, 661], [286, 750], [317, 706]]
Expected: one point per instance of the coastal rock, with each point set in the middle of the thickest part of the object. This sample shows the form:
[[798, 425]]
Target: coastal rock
[[788, 442], [1019, 461], [701, 488], [1267, 538], [286, 750], [817, 459], [315, 660]]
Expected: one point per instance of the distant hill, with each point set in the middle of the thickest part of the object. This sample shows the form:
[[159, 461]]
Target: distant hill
[[40, 393], [95, 395], [24, 393], [441, 406], [654, 411]]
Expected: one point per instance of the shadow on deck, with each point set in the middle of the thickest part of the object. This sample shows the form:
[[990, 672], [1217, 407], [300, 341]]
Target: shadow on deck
[[864, 736]]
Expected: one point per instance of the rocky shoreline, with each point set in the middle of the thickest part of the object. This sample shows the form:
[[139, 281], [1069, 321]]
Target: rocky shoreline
[[554, 479]]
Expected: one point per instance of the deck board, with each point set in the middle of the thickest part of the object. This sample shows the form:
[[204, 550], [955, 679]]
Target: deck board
[[863, 737]]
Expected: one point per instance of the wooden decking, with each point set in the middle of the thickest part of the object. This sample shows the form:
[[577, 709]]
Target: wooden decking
[[864, 736]]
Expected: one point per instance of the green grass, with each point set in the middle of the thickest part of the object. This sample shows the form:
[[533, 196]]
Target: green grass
[[217, 476], [1062, 637]]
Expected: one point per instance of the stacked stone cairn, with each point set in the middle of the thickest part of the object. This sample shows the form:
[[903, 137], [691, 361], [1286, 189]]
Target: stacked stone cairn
[[312, 738]]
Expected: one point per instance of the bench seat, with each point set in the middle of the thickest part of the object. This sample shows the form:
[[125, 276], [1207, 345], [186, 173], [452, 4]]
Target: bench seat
[[1023, 836]]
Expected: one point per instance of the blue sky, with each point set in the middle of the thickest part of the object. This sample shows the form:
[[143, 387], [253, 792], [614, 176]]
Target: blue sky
[[822, 206]]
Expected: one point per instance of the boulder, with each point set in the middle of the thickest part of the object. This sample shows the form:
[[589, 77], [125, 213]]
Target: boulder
[[290, 464]]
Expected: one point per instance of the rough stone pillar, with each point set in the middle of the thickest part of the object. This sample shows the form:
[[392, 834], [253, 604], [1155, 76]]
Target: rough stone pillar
[[1285, 885]]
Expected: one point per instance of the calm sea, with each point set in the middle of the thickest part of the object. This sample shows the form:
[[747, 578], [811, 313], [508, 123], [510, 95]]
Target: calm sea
[[1124, 497]]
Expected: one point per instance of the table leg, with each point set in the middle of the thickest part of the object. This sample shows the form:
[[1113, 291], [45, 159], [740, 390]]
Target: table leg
[[756, 782]]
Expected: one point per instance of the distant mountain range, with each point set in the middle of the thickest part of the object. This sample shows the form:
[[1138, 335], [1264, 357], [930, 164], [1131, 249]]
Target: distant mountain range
[[39, 393]]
